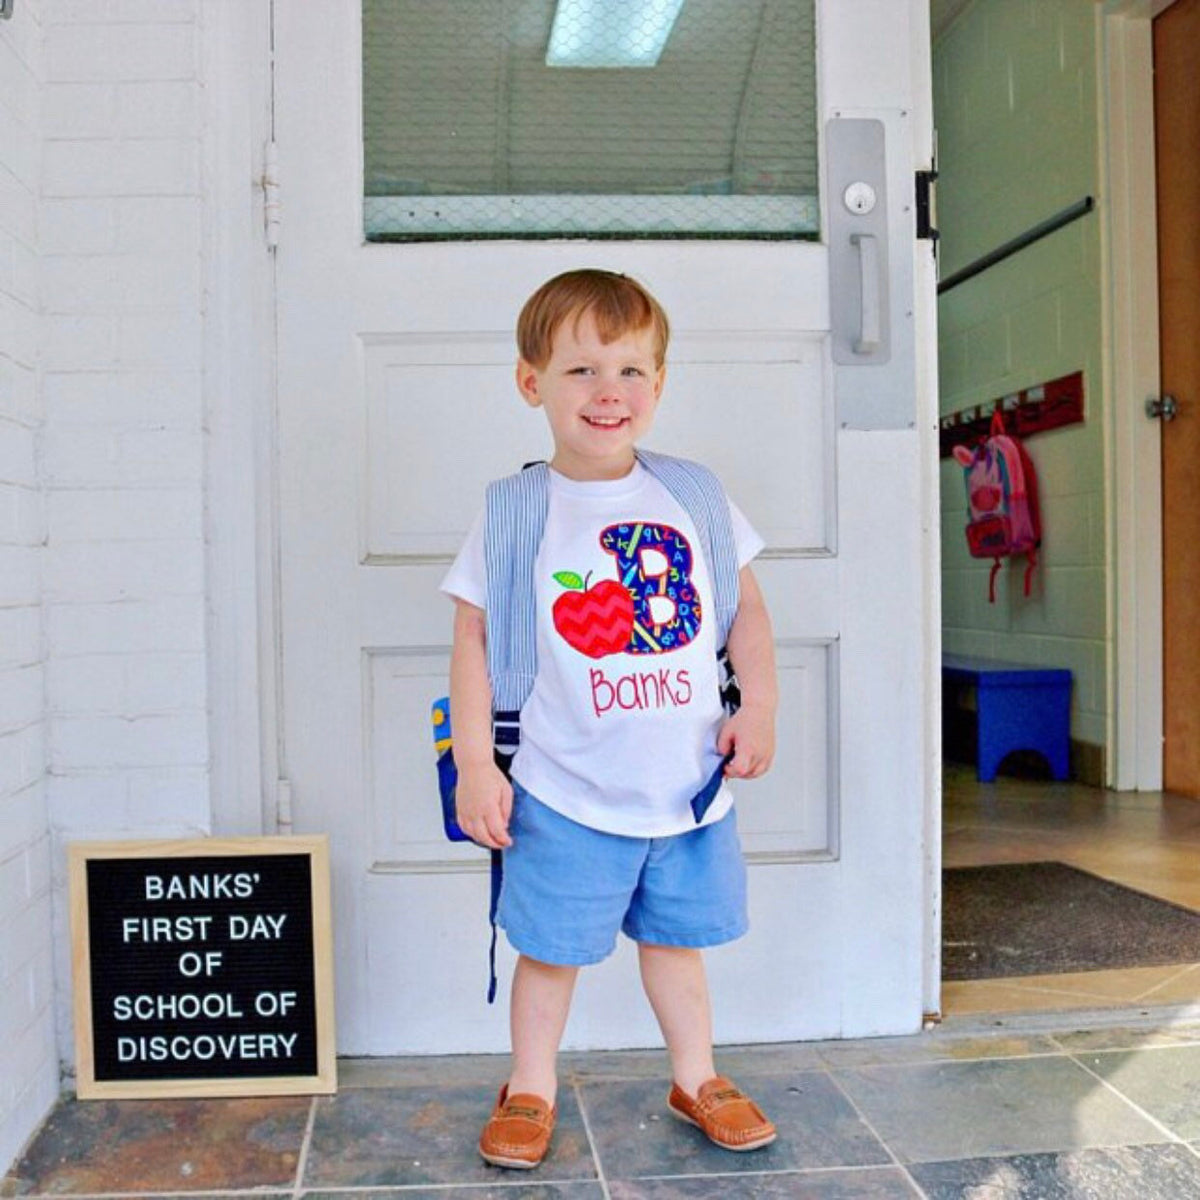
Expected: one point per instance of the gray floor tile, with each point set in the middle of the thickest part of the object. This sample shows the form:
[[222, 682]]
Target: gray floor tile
[[930, 1112], [1169, 1172], [520, 1189], [163, 1146], [636, 1135], [872, 1052], [886, 1183], [395, 1137], [1164, 1082], [1129, 1037]]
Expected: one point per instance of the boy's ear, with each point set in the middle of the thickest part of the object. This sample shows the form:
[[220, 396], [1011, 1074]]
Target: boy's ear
[[660, 377], [527, 383]]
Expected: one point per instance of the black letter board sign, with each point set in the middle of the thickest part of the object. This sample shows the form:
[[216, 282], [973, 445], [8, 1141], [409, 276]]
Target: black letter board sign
[[202, 968]]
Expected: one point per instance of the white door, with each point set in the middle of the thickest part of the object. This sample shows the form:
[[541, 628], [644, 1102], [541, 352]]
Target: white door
[[396, 404]]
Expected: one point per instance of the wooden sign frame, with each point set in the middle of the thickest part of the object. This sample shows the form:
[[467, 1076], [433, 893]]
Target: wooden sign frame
[[316, 850]]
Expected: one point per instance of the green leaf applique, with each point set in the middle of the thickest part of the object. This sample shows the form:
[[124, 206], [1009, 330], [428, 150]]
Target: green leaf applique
[[569, 579]]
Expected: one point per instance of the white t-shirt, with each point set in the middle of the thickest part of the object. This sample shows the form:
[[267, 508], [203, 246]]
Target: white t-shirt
[[619, 732]]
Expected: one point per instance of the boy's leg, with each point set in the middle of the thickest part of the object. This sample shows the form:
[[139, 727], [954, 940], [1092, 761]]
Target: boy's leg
[[541, 1000], [677, 988]]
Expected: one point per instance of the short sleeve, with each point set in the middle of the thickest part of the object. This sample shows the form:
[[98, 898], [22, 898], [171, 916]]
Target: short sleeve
[[467, 577], [746, 538]]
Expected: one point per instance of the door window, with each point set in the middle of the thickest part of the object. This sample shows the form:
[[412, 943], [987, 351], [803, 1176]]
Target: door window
[[589, 118]]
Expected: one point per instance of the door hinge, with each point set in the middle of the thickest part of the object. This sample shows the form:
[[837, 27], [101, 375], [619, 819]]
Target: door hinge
[[270, 187], [926, 206], [283, 806]]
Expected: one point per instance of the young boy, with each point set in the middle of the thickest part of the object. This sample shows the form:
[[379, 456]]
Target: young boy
[[623, 725]]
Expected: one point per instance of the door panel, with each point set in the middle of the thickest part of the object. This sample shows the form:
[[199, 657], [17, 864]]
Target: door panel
[[397, 404]]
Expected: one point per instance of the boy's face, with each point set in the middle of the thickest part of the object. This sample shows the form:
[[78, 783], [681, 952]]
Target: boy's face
[[599, 397]]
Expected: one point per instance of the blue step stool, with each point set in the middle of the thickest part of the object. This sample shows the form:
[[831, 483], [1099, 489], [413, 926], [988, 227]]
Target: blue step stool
[[1019, 707]]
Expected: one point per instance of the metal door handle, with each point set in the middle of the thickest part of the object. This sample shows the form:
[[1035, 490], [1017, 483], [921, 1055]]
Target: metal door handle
[[868, 271], [1167, 409]]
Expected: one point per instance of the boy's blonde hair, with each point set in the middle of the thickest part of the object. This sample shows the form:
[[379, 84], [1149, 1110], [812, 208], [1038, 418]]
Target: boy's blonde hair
[[617, 303]]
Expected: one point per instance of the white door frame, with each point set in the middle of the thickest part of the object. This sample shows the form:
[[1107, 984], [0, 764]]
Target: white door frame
[[1133, 466], [239, 399]]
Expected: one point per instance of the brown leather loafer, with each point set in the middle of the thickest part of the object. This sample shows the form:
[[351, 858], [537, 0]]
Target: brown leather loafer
[[518, 1132], [726, 1116]]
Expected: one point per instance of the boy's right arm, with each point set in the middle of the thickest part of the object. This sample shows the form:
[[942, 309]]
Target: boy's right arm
[[484, 795]]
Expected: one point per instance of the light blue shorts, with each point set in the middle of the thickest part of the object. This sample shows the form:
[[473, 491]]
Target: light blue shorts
[[568, 888]]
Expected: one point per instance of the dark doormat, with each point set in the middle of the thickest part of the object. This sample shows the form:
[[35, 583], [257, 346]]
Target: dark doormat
[[1046, 918]]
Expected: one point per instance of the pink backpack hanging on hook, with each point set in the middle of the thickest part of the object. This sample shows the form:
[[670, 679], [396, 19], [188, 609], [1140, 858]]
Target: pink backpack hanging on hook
[[1002, 501]]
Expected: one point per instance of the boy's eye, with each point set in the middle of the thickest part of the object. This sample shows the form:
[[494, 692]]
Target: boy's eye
[[633, 371], [580, 371]]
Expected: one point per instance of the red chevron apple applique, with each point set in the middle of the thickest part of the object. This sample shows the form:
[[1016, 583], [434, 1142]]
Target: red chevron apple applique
[[596, 621]]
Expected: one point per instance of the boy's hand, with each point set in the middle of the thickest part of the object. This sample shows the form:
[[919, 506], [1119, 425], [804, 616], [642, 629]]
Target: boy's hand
[[483, 804], [750, 735]]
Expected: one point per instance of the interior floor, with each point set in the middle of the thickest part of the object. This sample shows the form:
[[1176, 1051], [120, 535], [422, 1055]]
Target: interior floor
[[1144, 840]]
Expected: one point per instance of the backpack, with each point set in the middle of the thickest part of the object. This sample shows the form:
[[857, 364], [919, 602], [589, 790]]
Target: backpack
[[1002, 501]]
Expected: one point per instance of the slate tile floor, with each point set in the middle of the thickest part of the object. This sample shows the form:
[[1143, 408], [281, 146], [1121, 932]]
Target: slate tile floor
[[1049, 1106]]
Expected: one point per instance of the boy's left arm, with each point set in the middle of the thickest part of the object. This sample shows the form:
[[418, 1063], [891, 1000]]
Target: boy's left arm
[[750, 732]]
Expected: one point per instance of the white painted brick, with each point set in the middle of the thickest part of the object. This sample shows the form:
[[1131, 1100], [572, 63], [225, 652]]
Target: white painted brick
[[162, 340], [99, 283], [150, 167], [95, 572], [19, 323], [158, 223], [20, 399], [158, 109], [14, 887], [22, 817], [162, 682], [154, 741], [126, 684], [117, 515], [87, 800], [178, 795], [30, 517], [20, 638], [86, 683], [19, 206], [16, 454], [27, 927], [105, 458], [32, 1066], [95, 53], [124, 398], [20, 576], [20, 82], [78, 110], [22, 698], [79, 457], [78, 342], [175, 624], [26, 274], [19, 149], [162, 456], [78, 226], [22, 757], [159, 12]]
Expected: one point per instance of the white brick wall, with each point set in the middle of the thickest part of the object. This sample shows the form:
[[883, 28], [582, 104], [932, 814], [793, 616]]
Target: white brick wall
[[28, 1056], [122, 449]]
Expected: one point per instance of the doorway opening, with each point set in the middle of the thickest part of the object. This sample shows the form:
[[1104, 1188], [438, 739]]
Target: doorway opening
[[1019, 101]]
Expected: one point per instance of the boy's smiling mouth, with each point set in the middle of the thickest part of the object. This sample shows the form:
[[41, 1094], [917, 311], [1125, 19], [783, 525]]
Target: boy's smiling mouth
[[605, 422]]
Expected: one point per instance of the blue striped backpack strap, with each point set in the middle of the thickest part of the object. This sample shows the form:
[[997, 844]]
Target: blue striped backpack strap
[[514, 521]]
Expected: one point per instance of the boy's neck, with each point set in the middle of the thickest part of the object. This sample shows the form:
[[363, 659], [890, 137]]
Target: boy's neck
[[589, 472]]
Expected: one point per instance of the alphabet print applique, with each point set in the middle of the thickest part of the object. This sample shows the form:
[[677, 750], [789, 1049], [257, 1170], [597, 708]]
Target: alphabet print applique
[[652, 606]]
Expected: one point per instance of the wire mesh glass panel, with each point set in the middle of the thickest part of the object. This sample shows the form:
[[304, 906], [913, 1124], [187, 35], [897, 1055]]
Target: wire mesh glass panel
[[590, 118]]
